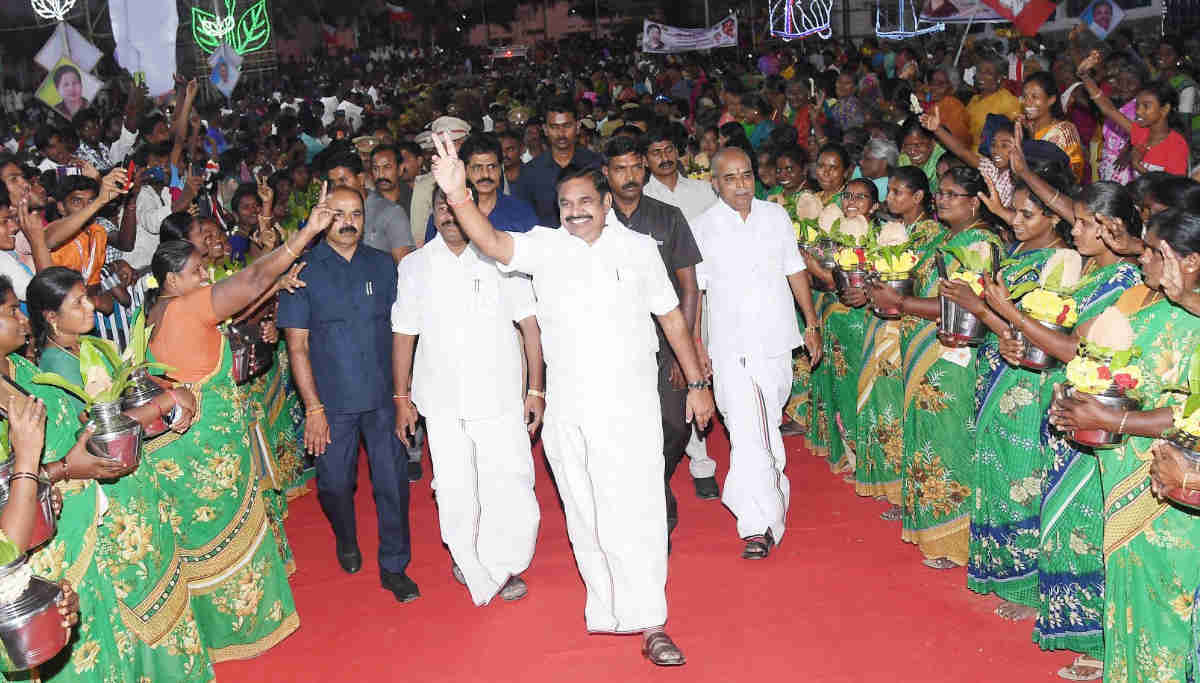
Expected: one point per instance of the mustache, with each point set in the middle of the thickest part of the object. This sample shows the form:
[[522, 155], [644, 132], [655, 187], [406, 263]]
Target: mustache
[[383, 181], [579, 217], [347, 230], [667, 164], [631, 186]]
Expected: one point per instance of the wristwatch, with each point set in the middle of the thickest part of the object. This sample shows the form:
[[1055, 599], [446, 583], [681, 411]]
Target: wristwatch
[[702, 384]]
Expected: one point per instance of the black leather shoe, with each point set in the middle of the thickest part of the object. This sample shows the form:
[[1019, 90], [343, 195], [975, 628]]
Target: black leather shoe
[[414, 470], [404, 588], [706, 488], [349, 556]]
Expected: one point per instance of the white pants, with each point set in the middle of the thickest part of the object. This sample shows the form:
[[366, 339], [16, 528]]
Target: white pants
[[489, 516], [699, 464], [751, 393], [610, 478]]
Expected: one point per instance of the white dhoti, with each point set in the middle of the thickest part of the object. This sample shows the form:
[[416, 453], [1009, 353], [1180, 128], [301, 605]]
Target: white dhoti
[[609, 475], [751, 393], [483, 476]]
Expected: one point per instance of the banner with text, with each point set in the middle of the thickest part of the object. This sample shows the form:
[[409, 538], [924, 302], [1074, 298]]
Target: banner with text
[[660, 38]]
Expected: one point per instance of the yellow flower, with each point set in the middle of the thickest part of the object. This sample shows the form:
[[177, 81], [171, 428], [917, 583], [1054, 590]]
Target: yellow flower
[[169, 469], [972, 279], [902, 264], [1049, 307], [204, 513], [848, 259], [85, 656]]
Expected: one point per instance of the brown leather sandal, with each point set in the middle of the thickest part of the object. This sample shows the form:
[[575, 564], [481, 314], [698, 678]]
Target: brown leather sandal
[[661, 650]]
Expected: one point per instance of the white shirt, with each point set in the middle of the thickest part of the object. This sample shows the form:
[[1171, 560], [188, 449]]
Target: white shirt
[[121, 146], [744, 272], [14, 270], [594, 305], [152, 208], [692, 197], [468, 359]]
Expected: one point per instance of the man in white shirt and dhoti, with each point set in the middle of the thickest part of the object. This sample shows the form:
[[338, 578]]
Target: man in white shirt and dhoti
[[456, 307], [751, 274], [597, 285]]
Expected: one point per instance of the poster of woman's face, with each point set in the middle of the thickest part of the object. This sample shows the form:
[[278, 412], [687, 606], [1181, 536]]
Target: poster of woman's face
[[1102, 17], [67, 88]]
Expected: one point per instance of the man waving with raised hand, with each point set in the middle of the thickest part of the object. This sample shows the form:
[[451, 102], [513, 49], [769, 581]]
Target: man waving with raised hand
[[597, 285]]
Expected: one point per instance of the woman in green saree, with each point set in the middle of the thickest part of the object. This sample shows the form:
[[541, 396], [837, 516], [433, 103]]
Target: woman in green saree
[[33, 427], [1150, 565], [270, 400], [102, 648], [231, 559], [833, 168], [137, 548], [791, 163], [1070, 565], [880, 429], [939, 387], [1008, 463], [845, 321]]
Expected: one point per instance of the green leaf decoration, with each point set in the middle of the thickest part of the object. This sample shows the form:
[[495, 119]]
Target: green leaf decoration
[[1192, 404], [56, 380], [1194, 373], [109, 350], [1054, 279], [968, 259], [253, 29], [1021, 290], [203, 38], [90, 358]]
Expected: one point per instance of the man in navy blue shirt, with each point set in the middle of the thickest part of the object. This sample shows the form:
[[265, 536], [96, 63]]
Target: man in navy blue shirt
[[482, 154], [539, 178], [340, 345]]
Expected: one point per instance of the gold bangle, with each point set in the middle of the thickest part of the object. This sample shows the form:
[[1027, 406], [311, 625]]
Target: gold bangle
[[288, 247], [535, 392], [399, 396], [1121, 427], [312, 411]]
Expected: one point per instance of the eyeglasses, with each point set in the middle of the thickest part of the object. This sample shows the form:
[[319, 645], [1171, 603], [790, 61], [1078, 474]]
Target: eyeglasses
[[947, 195], [856, 196]]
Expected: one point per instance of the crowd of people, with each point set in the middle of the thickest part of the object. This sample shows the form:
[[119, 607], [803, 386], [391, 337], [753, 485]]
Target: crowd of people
[[606, 251]]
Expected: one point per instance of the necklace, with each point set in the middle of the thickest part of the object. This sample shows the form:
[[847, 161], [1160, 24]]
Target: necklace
[[65, 349]]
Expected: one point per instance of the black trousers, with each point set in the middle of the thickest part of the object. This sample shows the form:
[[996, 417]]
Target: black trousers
[[676, 431], [337, 474]]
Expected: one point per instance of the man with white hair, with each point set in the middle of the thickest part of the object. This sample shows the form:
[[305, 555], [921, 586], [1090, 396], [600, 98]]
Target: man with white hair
[[422, 194], [879, 157], [751, 273]]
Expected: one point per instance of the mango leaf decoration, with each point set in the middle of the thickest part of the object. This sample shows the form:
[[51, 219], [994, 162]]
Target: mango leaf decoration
[[253, 29], [1193, 401]]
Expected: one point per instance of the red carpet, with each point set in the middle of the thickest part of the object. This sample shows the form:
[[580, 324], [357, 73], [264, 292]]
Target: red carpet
[[842, 599]]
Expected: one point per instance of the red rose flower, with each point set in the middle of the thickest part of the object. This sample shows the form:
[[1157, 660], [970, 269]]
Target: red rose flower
[[1103, 372], [1125, 381], [861, 254]]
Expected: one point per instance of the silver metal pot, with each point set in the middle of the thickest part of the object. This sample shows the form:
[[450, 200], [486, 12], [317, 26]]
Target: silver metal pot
[[959, 327], [1033, 356], [45, 523], [31, 629], [117, 436], [903, 287], [824, 251], [142, 391], [1101, 438], [848, 279]]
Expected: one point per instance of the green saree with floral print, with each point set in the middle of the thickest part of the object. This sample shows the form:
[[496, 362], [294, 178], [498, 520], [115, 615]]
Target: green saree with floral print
[[231, 559], [1151, 548], [939, 430], [880, 390], [1070, 559], [138, 553]]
